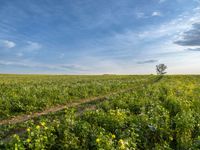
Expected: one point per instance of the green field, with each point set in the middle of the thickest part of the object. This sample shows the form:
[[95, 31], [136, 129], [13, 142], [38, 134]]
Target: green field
[[127, 112], [28, 93]]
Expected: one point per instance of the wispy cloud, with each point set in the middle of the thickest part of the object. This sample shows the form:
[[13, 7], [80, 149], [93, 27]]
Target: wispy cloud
[[147, 61], [174, 27], [140, 15], [154, 41], [169, 31], [162, 1], [156, 13], [61, 67], [73, 67], [194, 49], [198, 1], [19, 54], [32, 46], [190, 37], [76, 35], [143, 15], [7, 44]]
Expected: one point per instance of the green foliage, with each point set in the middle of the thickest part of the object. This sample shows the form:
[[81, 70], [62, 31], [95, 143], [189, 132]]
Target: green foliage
[[163, 115], [24, 94]]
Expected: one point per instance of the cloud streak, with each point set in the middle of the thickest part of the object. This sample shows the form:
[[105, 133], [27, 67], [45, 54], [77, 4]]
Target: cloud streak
[[190, 37], [162, 1], [194, 49], [62, 67], [156, 13], [32, 46], [77, 36], [7, 44], [147, 61]]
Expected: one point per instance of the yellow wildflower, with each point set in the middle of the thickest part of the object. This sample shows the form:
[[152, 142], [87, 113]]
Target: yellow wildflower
[[28, 140], [43, 123], [97, 140], [28, 129], [15, 135], [37, 127], [122, 145], [121, 141], [113, 136]]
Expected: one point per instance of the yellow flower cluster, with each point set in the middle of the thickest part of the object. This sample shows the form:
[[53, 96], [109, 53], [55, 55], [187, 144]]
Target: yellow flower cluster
[[122, 144], [28, 129], [97, 140], [28, 140], [43, 124], [113, 136], [38, 127]]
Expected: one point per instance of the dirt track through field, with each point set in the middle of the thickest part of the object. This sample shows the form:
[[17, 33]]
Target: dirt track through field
[[82, 105], [25, 117]]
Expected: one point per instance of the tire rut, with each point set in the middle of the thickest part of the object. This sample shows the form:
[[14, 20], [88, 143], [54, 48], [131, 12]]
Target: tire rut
[[23, 118]]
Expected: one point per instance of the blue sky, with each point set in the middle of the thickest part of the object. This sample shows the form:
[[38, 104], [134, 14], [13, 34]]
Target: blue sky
[[99, 36]]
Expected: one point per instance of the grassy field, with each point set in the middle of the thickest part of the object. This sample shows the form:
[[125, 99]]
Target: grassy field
[[144, 112], [21, 94]]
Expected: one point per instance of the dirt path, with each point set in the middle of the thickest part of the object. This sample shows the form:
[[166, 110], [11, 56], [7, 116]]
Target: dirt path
[[81, 104], [25, 117]]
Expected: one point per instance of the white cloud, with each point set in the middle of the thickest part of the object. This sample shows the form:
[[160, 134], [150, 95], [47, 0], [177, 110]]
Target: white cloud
[[31, 46], [19, 54], [140, 15], [162, 1], [129, 43], [7, 44], [30, 64], [174, 27], [156, 13], [198, 1]]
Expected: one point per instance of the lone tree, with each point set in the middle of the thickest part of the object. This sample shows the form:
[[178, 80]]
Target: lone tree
[[160, 69]]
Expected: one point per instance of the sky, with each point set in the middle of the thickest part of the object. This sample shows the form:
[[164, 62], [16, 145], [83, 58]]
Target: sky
[[99, 36]]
